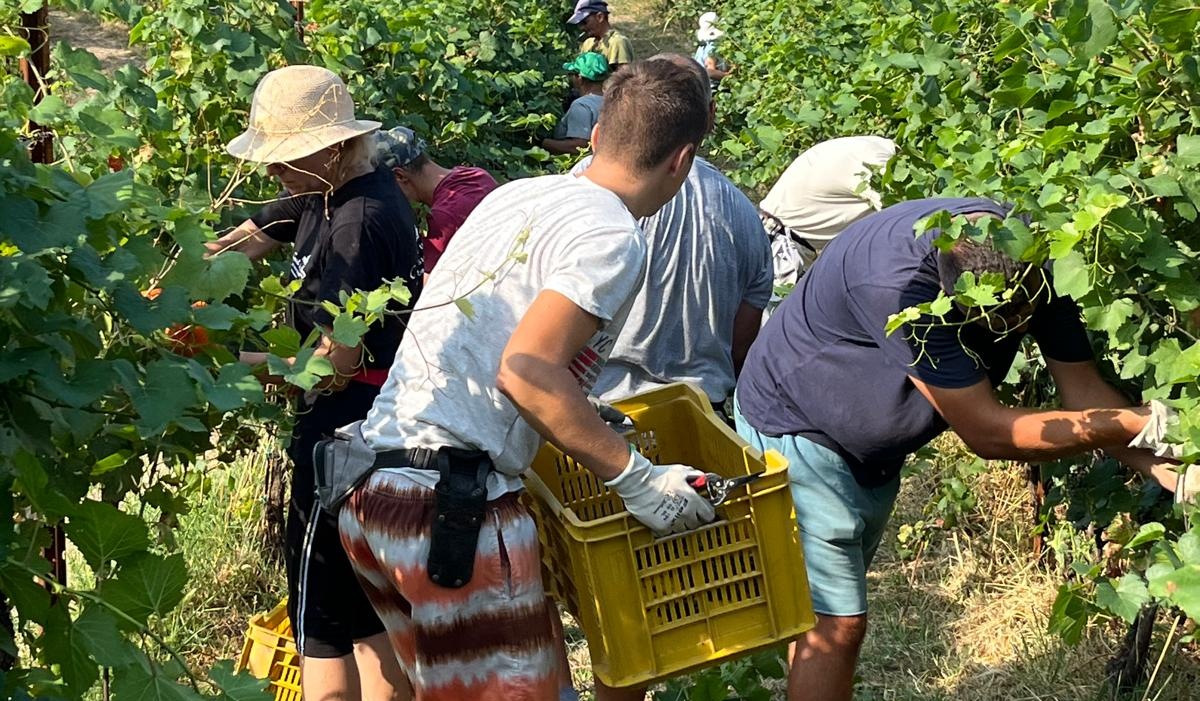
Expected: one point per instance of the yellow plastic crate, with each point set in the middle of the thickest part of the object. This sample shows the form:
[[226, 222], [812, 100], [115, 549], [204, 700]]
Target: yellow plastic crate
[[269, 653], [654, 608]]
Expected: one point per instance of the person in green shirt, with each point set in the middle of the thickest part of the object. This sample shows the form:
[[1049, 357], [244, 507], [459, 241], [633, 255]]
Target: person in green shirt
[[600, 37]]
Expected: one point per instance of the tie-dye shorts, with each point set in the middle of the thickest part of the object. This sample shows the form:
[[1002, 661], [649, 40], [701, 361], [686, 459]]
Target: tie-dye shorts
[[487, 641]]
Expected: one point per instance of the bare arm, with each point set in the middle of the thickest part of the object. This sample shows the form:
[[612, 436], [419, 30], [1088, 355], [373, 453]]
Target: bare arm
[[1080, 385], [344, 359], [565, 146], [534, 375], [714, 72], [247, 238], [746, 324], [998, 432]]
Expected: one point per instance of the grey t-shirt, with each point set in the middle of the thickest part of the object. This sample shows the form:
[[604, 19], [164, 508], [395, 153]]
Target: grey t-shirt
[[706, 254], [581, 116]]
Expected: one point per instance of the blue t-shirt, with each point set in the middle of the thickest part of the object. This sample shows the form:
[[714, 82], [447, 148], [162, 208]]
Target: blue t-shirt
[[823, 367]]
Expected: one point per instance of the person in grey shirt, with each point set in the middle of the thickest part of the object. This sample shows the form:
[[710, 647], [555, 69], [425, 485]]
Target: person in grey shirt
[[574, 131], [708, 277]]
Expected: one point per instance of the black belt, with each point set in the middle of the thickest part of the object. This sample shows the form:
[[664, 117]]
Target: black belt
[[420, 458]]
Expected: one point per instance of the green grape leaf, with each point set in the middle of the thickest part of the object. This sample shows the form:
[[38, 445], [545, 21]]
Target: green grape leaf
[[1187, 150], [235, 387], [97, 632], [150, 315], [163, 397], [227, 274], [139, 683], [238, 686], [1068, 616], [1126, 598], [149, 585], [348, 330], [64, 647], [103, 533], [13, 46], [1148, 533], [90, 380]]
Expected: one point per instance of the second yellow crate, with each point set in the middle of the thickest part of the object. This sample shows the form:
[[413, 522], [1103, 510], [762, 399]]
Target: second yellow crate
[[269, 653], [654, 608]]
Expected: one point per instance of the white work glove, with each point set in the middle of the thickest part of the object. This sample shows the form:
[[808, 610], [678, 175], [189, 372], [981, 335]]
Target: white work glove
[[1187, 489], [660, 497], [1153, 436]]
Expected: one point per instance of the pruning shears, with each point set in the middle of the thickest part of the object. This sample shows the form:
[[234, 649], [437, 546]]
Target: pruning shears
[[719, 487]]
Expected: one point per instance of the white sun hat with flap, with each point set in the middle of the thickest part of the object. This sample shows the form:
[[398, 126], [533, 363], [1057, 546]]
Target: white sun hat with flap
[[297, 111]]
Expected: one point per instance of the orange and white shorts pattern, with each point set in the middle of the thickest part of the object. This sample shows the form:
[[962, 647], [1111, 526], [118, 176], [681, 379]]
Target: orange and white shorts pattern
[[487, 641]]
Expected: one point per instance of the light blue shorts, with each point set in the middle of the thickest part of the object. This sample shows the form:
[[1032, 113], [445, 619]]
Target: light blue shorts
[[841, 522]]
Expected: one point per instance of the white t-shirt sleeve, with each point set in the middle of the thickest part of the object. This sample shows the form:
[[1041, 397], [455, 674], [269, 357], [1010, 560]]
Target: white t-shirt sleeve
[[761, 266], [599, 269]]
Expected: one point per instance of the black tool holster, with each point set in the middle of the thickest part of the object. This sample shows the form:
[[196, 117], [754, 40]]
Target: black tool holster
[[460, 507]]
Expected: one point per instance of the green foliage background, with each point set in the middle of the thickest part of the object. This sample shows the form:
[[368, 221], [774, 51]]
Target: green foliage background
[[102, 421], [1083, 115]]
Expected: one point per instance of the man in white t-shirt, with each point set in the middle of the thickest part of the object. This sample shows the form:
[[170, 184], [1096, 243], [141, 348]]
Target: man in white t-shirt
[[821, 193], [511, 332]]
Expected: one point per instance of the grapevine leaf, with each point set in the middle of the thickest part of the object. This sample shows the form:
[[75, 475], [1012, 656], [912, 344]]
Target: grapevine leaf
[[64, 647], [1187, 149], [163, 397], [1069, 615], [283, 341], [1189, 547], [227, 274], [90, 380], [51, 110], [13, 46], [1180, 586], [149, 585], [464, 305], [137, 683], [103, 533], [1071, 276], [235, 387], [237, 686], [97, 632], [348, 330], [150, 315], [1148, 533], [1103, 29], [1126, 598]]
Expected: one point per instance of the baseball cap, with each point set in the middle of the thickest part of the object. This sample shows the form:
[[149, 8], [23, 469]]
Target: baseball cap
[[398, 146], [591, 66], [583, 8]]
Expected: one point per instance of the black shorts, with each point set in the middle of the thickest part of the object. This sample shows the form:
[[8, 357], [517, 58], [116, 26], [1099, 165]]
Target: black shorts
[[328, 609]]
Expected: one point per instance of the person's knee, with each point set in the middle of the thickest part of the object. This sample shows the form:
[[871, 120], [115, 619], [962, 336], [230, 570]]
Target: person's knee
[[838, 633]]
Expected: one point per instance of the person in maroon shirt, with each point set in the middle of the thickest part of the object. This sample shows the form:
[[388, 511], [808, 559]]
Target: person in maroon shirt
[[449, 193]]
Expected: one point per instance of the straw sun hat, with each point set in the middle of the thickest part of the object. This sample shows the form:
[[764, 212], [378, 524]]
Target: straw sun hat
[[297, 111]]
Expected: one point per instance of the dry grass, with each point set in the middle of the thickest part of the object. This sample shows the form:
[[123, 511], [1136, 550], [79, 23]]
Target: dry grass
[[965, 619]]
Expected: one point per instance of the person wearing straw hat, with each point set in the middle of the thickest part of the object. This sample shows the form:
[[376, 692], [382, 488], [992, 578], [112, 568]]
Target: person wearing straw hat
[[350, 229], [588, 72], [599, 35], [449, 193], [707, 34]]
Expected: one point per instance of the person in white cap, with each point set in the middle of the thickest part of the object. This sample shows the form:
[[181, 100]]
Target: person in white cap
[[592, 16], [350, 229], [821, 193], [707, 35]]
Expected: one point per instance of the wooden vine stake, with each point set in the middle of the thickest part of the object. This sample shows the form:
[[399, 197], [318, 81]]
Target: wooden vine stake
[[35, 29]]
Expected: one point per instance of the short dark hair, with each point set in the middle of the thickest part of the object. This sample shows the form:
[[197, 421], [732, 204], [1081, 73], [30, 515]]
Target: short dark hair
[[651, 108], [981, 258], [690, 64]]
